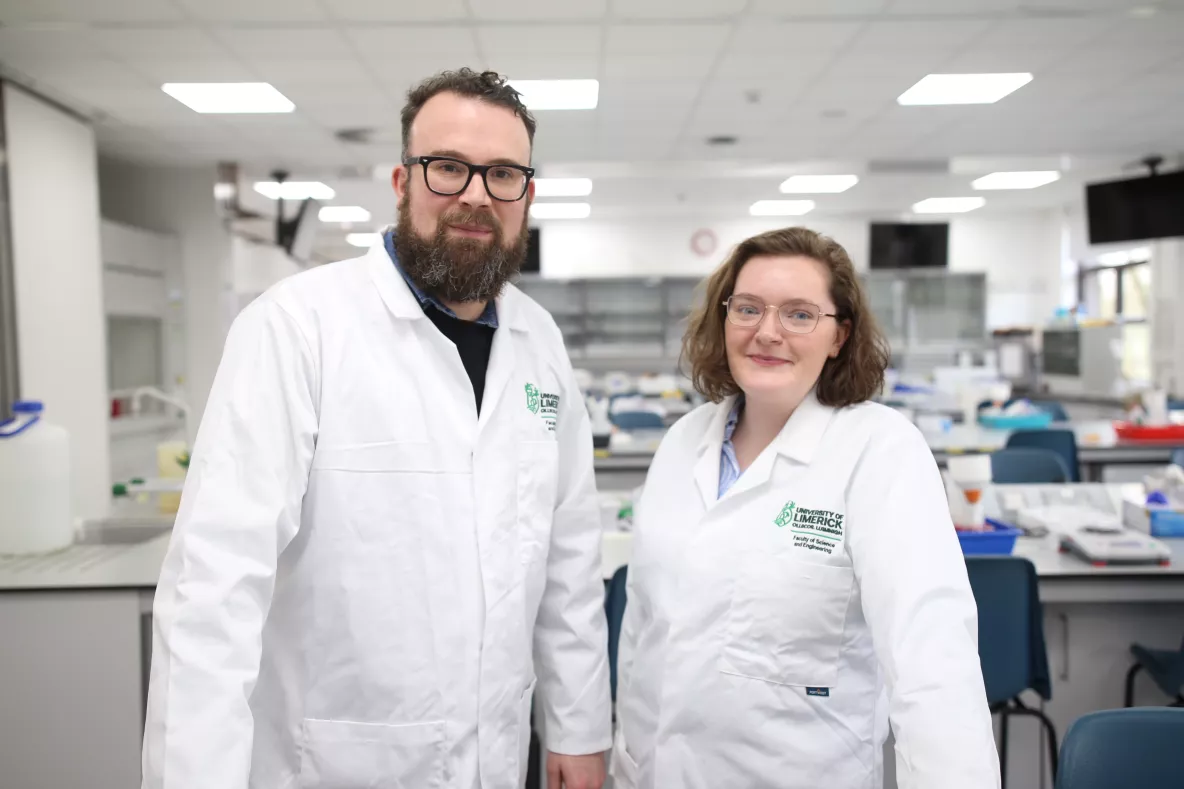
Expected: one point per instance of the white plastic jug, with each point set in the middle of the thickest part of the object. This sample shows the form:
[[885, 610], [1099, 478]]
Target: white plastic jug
[[35, 508]]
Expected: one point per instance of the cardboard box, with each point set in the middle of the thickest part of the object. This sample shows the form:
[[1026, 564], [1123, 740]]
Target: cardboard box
[[1156, 520]]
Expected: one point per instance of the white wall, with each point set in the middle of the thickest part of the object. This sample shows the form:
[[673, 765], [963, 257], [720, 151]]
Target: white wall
[[1020, 254], [180, 201], [53, 189]]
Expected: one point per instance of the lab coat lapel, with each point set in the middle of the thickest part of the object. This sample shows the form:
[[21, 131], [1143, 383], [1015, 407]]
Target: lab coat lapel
[[798, 440], [502, 357], [707, 466]]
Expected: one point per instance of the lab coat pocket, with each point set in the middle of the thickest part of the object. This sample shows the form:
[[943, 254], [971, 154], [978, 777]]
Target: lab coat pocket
[[525, 705], [346, 755], [538, 473], [786, 621], [622, 767]]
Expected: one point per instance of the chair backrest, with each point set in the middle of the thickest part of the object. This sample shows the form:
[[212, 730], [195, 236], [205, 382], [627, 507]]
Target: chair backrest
[[1010, 626], [614, 609], [1052, 407], [1063, 442], [1116, 749], [638, 420], [1027, 465], [1178, 457]]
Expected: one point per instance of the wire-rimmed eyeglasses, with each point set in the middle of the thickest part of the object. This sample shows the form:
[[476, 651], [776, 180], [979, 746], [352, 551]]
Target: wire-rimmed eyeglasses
[[799, 317], [447, 176]]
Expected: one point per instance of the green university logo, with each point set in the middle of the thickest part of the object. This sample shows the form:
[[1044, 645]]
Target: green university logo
[[532, 399], [786, 516]]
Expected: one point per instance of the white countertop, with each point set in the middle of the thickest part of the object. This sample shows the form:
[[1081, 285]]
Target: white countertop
[[87, 567]]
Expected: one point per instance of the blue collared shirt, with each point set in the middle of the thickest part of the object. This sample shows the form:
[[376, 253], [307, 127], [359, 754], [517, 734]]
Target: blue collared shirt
[[729, 467], [488, 317]]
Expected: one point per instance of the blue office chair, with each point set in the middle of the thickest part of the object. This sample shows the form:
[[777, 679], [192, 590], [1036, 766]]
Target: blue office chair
[[1164, 666], [1032, 466], [638, 420], [1011, 642], [1063, 442], [1121, 749], [614, 609]]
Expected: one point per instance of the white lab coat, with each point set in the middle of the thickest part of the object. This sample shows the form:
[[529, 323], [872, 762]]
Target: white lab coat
[[361, 567], [770, 635]]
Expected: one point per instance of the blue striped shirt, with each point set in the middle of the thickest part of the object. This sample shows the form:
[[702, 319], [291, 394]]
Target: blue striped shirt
[[488, 317], [729, 467]]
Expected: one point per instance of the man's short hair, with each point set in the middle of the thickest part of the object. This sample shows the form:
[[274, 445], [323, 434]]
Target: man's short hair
[[488, 86]]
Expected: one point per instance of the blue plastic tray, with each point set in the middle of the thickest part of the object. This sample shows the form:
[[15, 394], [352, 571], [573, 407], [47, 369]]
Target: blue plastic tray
[[1022, 422], [998, 542]]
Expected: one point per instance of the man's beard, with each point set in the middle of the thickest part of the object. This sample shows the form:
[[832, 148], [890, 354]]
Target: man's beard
[[458, 270]]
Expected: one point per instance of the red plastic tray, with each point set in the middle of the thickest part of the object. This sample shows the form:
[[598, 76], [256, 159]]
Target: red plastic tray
[[1129, 432]]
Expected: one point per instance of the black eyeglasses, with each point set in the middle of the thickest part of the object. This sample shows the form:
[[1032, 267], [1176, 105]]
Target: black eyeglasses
[[447, 176]]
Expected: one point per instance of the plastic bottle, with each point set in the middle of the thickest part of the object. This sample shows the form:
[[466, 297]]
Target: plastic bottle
[[36, 514]]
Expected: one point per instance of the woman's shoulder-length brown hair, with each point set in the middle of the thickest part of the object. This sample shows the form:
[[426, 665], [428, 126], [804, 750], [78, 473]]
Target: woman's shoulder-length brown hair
[[855, 375]]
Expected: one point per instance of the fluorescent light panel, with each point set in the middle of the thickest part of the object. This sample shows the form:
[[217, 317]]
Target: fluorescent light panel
[[781, 207], [558, 94], [818, 184], [963, 88], [229, 97], [560, 210], [366, 240], [562, 187], [948, 205], [344, 213], [1016, 180], [295, 190]]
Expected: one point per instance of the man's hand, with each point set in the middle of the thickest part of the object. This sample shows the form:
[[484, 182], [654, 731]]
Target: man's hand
[[575, 772]]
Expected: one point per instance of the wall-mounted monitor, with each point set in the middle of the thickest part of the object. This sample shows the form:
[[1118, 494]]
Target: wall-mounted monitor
[[909, 245], [1136, 209]]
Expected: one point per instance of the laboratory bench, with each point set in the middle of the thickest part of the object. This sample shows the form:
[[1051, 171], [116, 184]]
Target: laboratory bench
[[77, 649]]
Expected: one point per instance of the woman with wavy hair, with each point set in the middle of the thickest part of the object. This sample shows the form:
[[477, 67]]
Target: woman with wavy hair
[[796, 583]]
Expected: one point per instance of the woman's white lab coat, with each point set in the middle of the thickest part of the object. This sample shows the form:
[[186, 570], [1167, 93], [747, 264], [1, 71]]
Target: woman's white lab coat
[[771, 635], [361, 568]]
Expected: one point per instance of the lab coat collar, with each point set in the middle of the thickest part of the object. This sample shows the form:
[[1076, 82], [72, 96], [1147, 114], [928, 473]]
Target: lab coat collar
[[402, 302], [798, 440]]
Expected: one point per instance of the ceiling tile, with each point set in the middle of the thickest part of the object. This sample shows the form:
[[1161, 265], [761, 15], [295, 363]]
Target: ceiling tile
[[676, 9], [912, 35], [277, 11], [76, 76], [816, 8], [762, 36], [274, 43], [409, 42], [643, 39], [33, 45], [165, 70], [537, 10], [354, 11], [554, 67], [791, 66], [131, 45], [134, 11], [657, 66], [532, 40], [345, 73]]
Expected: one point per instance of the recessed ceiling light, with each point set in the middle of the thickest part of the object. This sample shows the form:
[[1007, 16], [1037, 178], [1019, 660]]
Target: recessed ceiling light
[[948, 205], [560, 210], [364, 239], [1016, 180], [781, 207], [818, 184], [558, 94], [295, 190], [963, 88], [344, 213], [562, 187], [229, 97]]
